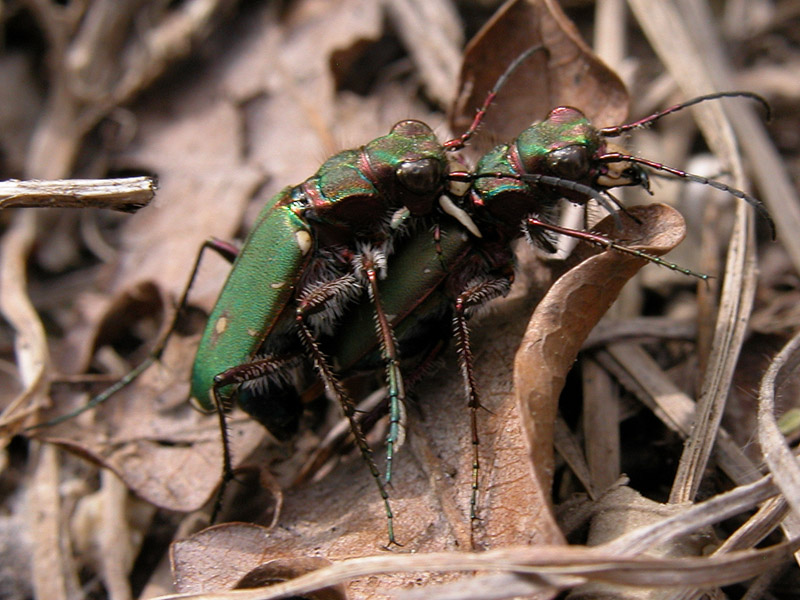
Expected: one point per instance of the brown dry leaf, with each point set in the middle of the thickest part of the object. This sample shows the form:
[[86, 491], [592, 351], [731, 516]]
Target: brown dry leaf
[[222, 556], [655, 527], [145, 444], [342, 516], [567, 74], [564, 318]]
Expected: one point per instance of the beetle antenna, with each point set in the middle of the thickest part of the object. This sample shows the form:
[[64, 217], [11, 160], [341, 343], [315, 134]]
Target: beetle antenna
[[459, 142], [621, 207], [754, 202], [647, 121], [562, 184], [602, 198]]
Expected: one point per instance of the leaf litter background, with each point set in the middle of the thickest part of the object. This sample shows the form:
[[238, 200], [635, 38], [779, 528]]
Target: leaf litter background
[[226, 103]]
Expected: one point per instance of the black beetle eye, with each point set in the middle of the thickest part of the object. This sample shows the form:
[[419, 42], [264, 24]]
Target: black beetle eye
[[423, 176], [569, 162]]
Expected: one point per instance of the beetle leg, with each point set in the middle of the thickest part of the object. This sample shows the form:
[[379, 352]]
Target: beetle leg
[[263, 367], [224, 249], [474, 296], [371, 263], [313, 301], [608, 244], [227, 251]]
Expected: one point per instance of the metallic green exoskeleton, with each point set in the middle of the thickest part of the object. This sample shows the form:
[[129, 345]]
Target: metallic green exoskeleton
[[431, 294], [314, 248], [563, 148], [515, 190], [311, 234]]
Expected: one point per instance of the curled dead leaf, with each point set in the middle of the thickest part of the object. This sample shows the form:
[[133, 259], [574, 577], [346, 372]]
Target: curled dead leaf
[[566, 315]]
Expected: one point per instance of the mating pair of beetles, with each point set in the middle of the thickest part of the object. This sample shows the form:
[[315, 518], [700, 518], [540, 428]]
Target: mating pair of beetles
[[319, 271]]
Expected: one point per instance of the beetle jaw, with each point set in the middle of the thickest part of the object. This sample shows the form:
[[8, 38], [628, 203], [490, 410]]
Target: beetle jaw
[[620, 173]]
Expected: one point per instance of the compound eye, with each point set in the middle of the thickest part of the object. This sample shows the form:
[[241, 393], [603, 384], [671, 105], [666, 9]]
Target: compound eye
[[423, 176], [569, 162]]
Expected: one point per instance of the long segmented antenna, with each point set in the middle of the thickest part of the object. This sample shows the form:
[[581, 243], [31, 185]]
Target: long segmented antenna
[[560, 183], [460, 142], [620, 129], [754, 202]]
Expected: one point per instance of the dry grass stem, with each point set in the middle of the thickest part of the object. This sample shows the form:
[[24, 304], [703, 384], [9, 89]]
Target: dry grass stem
[[127, 194]]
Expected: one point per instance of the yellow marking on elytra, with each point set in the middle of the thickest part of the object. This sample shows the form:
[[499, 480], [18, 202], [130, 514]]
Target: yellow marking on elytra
[[252, 332], [278, 285], [304, 241], [221, 325]]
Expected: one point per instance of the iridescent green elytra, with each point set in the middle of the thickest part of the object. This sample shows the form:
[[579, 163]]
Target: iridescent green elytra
[[314, 248], [349, 201]]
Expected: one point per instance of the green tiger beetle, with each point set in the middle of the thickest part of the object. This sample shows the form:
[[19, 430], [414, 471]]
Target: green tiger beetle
[[339, 226], [316, 246], [312, 251], [515, 191]]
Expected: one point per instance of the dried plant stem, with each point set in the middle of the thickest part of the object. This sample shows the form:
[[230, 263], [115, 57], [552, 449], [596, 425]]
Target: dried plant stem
[[15, 305], [560, 565], [438, 57], [668, 32], [54, 571], [640, 374], [123, 194], [768, 167]]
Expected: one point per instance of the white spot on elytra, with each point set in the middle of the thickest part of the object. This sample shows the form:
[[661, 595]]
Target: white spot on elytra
[[221, 326], [303, 239]]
